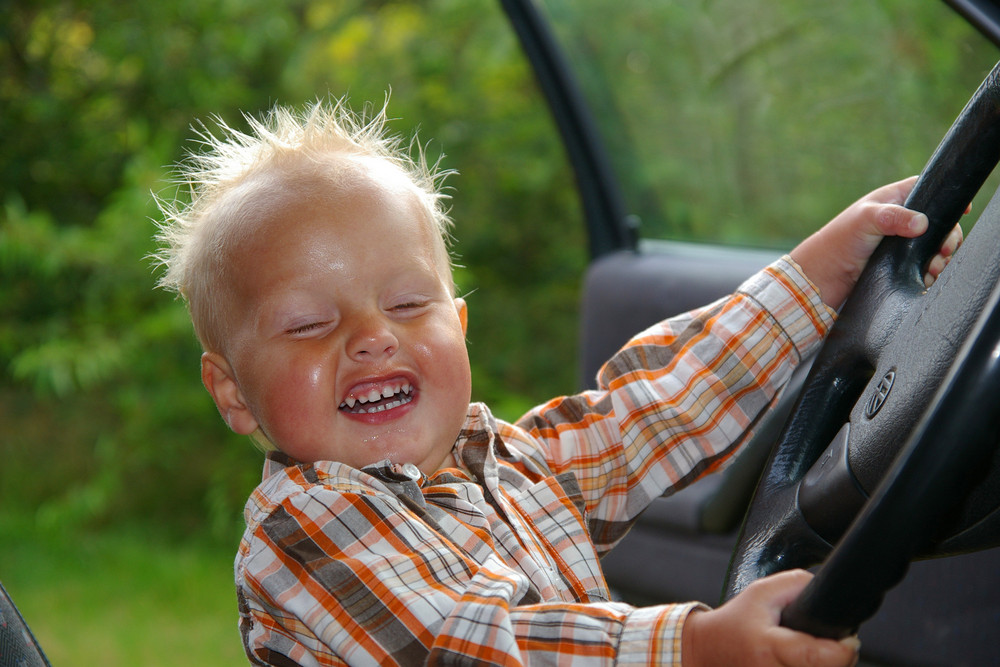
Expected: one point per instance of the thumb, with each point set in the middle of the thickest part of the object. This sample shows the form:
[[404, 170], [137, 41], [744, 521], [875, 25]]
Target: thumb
[[896, 220]]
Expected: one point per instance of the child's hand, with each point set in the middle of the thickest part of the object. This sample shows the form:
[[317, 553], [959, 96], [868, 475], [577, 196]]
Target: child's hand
[[746, 631], [834, 257]]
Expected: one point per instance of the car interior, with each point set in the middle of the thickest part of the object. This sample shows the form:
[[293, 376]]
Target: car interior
[[933, 611], [18, 645]]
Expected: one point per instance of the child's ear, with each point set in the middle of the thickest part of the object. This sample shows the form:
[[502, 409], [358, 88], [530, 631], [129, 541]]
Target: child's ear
[[463, 314], [218, 378]]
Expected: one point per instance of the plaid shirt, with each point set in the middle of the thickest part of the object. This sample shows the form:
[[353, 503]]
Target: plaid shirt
[[496, 561]]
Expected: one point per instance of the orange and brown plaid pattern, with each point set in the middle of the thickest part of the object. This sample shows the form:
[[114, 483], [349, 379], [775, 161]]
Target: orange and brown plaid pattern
[[496, 562]]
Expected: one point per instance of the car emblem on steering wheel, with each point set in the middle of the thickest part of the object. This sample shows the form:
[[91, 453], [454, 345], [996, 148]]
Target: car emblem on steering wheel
[[877, 399]]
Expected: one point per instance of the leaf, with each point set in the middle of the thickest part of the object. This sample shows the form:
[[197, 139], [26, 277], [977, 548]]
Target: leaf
[[62, 366]]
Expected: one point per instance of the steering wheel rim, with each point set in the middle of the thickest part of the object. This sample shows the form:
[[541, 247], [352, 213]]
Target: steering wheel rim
[[893, 339]]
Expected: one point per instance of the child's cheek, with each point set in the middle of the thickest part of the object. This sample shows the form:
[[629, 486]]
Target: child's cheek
[[294, 395]]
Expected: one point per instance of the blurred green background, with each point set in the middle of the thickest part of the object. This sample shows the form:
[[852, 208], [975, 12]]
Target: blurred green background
[[121, 490]]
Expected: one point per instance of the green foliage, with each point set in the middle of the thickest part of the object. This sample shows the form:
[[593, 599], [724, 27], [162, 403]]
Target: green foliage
[[754, 121], [103, 415]]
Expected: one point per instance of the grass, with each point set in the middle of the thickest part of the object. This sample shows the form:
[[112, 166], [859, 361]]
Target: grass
[[121, 596]]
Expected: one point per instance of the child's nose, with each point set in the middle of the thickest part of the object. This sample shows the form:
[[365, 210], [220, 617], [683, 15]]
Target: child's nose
[[372, 339]]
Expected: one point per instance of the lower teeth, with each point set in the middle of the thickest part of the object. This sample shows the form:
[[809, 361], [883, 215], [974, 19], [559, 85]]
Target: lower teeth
[[382, 407]]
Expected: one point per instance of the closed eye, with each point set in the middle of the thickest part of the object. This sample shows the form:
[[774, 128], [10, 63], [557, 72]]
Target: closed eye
[[306, 328], [409, 305]]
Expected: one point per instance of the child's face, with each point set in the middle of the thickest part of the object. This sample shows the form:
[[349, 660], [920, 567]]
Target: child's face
[[347, 343]]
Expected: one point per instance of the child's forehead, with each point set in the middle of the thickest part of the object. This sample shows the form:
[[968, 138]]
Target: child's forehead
[[258, 201], [350, 190], [331, 179]]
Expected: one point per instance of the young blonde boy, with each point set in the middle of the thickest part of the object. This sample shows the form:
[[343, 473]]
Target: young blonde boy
[[399, 524]]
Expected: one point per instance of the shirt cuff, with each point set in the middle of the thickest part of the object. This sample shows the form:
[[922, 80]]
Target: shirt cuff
[[653, 635], [793, 301]]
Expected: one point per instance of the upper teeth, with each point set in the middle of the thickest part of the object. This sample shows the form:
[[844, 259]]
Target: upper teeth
[[388, 391]]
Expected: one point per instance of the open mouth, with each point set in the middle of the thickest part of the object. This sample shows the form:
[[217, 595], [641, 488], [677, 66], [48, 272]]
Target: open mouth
[[378, 399]]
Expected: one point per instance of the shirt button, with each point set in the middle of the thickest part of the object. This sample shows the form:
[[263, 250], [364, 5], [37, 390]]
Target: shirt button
[[412, 472]]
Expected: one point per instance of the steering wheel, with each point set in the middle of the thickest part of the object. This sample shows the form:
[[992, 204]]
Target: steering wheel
[[897, 417]]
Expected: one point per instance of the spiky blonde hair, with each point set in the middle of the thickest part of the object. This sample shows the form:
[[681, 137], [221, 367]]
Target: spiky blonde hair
[[196, 231]]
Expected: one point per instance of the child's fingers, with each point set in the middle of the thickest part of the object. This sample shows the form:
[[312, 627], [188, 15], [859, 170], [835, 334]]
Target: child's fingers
[[853, 642], [955, 238], [795, 649], [896, 220], [780, 589], [947, 251], [934, 270]]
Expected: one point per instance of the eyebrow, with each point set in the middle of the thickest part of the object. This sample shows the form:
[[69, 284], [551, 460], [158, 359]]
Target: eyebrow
[[277, 312]]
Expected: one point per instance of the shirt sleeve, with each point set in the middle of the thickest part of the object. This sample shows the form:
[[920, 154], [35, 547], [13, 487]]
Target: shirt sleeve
[[332, 577], [677, 401]]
